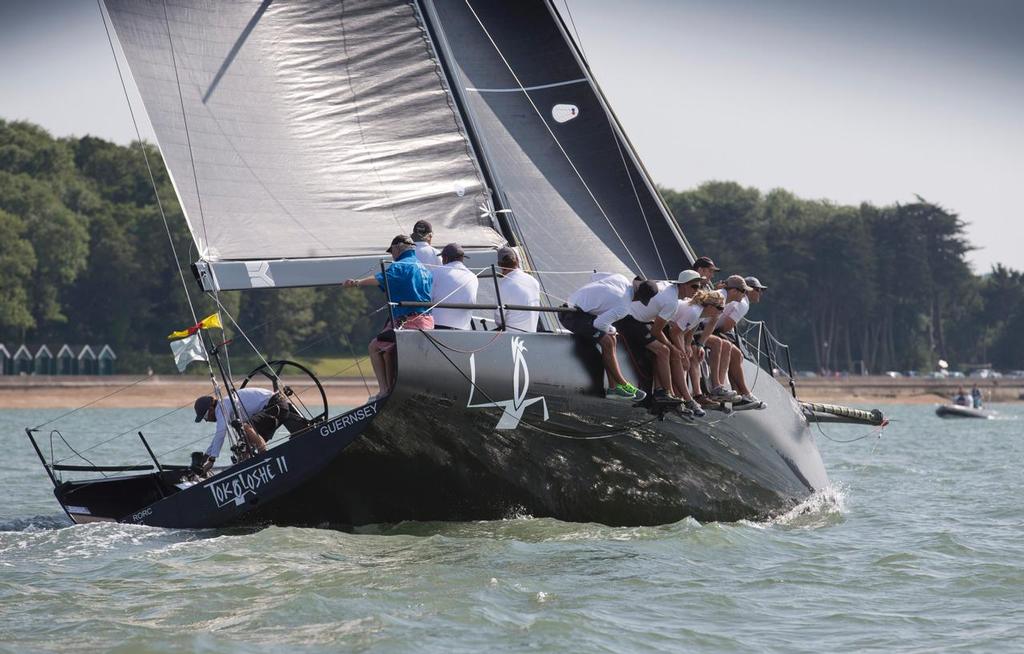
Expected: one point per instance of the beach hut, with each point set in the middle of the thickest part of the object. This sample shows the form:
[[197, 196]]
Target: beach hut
[[44, 363], [86, 361], [105, 361], [67, 363], [22, 361], [5, 360]]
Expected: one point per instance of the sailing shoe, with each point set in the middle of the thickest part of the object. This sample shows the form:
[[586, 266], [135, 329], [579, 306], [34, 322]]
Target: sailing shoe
[[661, 395], [723, 394], [749, 401], [695, 408], [638, 394], [620, 392], [704, 400]]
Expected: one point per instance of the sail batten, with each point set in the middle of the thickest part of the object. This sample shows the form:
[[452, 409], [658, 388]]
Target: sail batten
[[303, 130]]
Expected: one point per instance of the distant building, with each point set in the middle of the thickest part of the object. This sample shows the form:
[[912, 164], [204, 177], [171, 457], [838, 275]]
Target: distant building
[[52, 359]]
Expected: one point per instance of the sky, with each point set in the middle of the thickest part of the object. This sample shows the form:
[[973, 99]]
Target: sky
[[863, 100]]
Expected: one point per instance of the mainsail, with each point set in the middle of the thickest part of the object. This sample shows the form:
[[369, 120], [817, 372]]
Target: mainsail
[[579, 197], [302, 134]]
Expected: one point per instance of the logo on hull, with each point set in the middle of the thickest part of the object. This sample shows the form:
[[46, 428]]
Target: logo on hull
[[512, 410]]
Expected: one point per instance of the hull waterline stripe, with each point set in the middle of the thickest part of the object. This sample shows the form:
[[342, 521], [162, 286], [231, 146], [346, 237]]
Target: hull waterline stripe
[[521, 89]]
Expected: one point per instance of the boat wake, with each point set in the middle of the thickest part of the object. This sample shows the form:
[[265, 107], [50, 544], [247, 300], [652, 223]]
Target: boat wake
[[36, 523], [822, 509]]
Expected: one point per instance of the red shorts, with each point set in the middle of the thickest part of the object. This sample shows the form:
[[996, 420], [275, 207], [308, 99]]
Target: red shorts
[[385, 341]]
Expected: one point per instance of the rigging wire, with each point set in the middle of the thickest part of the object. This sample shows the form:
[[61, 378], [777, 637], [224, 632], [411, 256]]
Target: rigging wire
[[540, 115], [622, 157]]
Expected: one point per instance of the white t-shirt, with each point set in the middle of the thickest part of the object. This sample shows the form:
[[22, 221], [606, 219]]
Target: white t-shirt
[[604, 291], [250, 401], [663, 305], [455, 283], [517, 287], [687, 315], [736, 310], [428, 255]]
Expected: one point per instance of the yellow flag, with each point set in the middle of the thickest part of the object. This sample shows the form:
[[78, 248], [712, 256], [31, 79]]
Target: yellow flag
[[211, 321]]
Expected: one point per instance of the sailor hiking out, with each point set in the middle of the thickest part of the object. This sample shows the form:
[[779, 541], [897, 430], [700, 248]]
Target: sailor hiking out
[[604, 292]]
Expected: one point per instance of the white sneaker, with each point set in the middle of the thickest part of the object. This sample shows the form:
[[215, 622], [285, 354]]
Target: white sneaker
[[724, 394]]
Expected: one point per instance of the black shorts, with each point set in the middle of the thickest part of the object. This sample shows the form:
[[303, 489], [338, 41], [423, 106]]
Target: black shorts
[[581, 324], [635, 331]]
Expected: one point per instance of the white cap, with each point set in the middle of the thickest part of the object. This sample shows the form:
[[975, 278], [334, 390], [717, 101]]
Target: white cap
[[687, 276]]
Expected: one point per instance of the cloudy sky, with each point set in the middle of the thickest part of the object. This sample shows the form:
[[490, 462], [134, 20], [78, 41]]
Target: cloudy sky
[[863, 100]]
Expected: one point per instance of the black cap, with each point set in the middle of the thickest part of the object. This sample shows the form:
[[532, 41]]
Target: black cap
[[422, 229], [645, 291], [754, 282], [453, 251], [203, 404], [704, 262], [401, 239], [507, 255]]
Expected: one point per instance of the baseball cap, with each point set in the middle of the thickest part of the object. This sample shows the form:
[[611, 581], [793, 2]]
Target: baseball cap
[[704, 262], [453, 251], [687, 276], [645, 291], [754, 282], [422, 228], [401, 239], [202, 406], [735, 281], [507, 254]]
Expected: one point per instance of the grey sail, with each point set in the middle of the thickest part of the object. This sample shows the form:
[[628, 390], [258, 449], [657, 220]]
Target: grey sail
[[300, 134], [579, 198]]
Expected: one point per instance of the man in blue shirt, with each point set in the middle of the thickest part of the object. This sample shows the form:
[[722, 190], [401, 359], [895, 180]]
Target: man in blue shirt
[[407, 281]]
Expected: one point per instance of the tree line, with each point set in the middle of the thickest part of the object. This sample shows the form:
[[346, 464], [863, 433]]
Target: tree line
[[85, 258]]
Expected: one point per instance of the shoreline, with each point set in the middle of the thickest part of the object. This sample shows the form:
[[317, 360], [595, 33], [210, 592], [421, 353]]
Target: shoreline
[[155, 392], [168, 392]]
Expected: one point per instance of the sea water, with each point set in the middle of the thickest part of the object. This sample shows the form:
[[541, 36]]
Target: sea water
[[917, 547]]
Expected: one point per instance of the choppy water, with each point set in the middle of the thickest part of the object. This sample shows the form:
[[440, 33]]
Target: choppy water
[[918, 547]]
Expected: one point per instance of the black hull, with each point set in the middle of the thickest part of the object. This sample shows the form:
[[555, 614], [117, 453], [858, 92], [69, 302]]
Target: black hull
[[434, 451]]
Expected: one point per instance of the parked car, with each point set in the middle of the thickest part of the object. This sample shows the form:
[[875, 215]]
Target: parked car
[[956, 374], [893, 373], [1017, 374], [986, 373]]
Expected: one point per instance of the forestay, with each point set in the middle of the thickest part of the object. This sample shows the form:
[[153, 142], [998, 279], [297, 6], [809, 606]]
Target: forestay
[[300, 134], [579, 197]]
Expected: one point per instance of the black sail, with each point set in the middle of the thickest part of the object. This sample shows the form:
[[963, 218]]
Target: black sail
[[578, 197]]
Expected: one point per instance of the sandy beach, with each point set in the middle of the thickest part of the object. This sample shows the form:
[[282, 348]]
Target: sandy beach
[[123, 391]]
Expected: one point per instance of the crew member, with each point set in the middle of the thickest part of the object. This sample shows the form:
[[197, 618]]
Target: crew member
[[262, 412], [604, 292], [706, 268], [730, 360], [407, 281], [454, 283], [422, 235], [702, 304], [516, 287]]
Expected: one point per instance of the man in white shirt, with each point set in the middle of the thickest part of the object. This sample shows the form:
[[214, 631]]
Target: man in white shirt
[[453, 284], [643, 321], [427, 254], [730, 362], [516, 287], [604, 292], [262, 412], [701, 304]]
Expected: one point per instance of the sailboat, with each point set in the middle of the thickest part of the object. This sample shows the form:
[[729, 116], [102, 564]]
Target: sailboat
[[301, 136]]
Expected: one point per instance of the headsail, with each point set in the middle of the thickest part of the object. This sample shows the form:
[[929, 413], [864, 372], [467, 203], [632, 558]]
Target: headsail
[[579, 197], [303, 134]]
